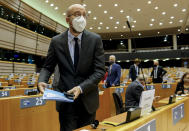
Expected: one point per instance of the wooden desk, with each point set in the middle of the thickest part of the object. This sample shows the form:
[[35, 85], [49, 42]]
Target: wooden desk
[[17, 92], [104, 106], [4, 83], [165, 92], [163, 118], [38, 118]]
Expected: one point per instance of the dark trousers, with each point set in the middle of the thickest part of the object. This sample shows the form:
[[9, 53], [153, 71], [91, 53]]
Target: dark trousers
[[74, 115], [157, 80], [133, 79]]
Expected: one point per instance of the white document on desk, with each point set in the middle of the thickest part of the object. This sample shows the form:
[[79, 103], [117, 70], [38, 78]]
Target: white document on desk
[[146, 100], [55, 95]]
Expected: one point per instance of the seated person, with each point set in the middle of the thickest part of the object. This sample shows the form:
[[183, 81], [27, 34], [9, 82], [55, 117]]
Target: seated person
[[183, 85], [134, 91]]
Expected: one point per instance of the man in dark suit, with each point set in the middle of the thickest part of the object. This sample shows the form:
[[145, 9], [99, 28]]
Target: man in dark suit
[[157, 73], [56, 78], [80, 58], [134, 91], [134, 70], [114, 73]]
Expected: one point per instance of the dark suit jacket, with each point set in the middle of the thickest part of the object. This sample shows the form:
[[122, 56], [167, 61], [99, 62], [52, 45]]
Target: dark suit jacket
[[133, 72], [56, 77], [133, 93], [160, 73], [114, 76], [89, 71]]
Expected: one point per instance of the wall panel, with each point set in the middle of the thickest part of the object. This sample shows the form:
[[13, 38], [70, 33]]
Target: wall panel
[[29, 12], [24, 68], [6, 68], [14, 4], [25, 41], [42, 45], [48, 22], [60, 28], [7, 37]]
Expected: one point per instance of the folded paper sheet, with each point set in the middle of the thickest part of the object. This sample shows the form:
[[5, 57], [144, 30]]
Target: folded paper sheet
[[55, 95]]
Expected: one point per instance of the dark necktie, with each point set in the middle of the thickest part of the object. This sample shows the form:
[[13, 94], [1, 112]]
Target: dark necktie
[[76, 53]]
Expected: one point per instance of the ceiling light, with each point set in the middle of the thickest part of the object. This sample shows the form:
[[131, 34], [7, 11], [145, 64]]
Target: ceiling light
[[160, 23], [94, 18], [84, 5], [115, 27], [151, 24], [133, 26], [149, 2], [89, 12], [177, 58], [100, 23], [99, 5], [175, 5], [127, 16], [107, 28], [56, 8], [111, 17], [121, 11], [134, 21], [115, 5], [47, 1], [179, 30], [163, 13], [170, 22], [183, 10], [172, 17], [124, 26], [152, 20], [121, 35], [105, 11], [117, 22], [186, 29], [51, 4], [63, 13], [99, 28], [156, 8], [139, 34], [158, 32], [91, 28], [180, 21], [138, 10], [146, 60]]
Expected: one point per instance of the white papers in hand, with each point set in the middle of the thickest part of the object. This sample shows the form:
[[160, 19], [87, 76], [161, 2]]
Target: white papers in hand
[[55, 95]]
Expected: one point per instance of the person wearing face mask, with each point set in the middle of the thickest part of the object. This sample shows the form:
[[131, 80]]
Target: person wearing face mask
[[114, 73], [157, 73], [183, 85], [134, 70], [80, 58]]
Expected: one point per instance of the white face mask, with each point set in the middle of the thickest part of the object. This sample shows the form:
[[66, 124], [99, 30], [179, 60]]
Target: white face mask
[[79, 23]]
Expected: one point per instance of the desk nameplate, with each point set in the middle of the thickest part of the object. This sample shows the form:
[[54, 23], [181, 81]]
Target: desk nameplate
[[32, 102], [150, 126], [178, 113], [4, 94]]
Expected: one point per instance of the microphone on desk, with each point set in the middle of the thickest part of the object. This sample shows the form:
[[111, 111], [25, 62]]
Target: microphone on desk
[[95, 124]]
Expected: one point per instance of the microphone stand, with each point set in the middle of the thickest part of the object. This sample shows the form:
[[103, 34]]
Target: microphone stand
[[128, 24]]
